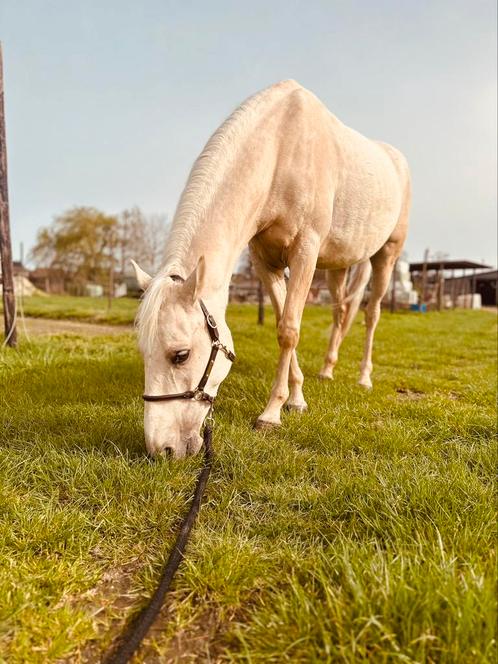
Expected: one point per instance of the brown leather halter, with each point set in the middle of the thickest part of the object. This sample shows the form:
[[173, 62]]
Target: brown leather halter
[[198, 394]]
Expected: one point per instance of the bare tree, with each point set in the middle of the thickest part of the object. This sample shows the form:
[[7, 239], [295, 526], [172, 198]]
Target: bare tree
[[141, 237]]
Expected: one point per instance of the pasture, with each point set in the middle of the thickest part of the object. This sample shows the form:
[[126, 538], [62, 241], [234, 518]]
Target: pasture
[[362, 531], [89, 309]]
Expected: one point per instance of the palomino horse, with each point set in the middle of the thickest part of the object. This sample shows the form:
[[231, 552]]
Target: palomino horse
[[286, 176]]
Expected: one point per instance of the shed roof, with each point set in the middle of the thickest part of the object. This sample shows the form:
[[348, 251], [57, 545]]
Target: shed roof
[[492, 275], [448, 265], [488, 276]]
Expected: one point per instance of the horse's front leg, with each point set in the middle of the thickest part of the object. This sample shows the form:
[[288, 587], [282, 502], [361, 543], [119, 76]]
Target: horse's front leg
[[274, 282], [302, 267]]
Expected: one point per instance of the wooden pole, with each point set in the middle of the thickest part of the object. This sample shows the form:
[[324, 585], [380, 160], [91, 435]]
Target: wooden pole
[[9, 300], [440, 287], [110, 294], [21, 259], [443, 286], [261, 303], [392, 306], [424, 276]]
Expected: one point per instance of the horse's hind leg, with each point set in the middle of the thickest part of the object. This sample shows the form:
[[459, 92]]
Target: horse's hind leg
[[274, 282], [382, 266], [336, 280]]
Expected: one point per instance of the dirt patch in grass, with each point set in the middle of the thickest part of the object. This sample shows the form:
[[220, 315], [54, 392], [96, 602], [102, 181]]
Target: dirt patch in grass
[[49, 327], [410, 393], [108, 597], [198, 641]]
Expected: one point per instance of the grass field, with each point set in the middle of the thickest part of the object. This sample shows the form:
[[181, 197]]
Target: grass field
[[362, 531], [90, 309]]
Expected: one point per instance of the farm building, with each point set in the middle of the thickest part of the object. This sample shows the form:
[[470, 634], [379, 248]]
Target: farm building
[[452, 283], [436, 284], [18, 270], [484, 284], [22, 284], [48, 279]]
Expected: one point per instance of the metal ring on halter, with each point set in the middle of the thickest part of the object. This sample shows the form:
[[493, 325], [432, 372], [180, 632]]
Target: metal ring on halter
[[210, 416]]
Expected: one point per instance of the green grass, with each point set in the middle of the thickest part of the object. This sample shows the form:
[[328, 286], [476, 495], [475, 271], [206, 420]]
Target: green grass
[[90, 309], [362, 531]]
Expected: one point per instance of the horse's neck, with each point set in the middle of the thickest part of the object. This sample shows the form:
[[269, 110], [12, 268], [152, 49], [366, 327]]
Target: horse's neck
[[219, 234], [220, 240]]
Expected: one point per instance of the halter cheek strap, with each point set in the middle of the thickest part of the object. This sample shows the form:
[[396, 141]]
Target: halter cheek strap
[[198, 394]]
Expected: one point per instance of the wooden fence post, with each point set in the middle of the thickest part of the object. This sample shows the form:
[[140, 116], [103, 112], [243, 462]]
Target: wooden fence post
[[424, 276], [9, 301], [440, 287], [110, 294], [392, 306], [261, 303]]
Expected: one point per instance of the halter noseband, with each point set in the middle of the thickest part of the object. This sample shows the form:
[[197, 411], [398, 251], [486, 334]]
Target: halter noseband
[[199, 394]]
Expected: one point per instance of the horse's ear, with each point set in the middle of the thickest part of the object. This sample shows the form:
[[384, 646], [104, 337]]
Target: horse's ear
[[196, 282], [143, 278]]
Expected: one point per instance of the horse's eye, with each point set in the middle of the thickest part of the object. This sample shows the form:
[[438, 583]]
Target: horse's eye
[[180, 356]]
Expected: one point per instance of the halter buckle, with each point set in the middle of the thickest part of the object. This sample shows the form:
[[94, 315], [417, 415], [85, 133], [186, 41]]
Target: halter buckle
[[226, 352]]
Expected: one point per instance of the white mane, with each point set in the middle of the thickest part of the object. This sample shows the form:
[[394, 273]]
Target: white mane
[[205, 177]]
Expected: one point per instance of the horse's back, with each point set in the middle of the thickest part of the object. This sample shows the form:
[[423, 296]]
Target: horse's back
[[316, 145], [329, 179]]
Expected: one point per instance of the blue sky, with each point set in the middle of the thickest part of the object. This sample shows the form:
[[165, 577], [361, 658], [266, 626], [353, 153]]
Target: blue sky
[[108, 103]]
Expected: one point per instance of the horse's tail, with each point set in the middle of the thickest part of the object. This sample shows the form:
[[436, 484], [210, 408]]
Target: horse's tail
[[358, 278]]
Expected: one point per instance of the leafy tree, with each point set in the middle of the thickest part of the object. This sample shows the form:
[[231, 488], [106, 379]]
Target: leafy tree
[[80, 243]]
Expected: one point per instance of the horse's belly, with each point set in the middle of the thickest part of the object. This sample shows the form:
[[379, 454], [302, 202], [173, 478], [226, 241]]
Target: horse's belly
[[364, 215], [354, 240], [335, 254]]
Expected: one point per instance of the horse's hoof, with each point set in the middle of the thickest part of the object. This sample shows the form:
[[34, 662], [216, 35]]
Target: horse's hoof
[[323, 376], [296, 408], [365, 385], [263, 425]]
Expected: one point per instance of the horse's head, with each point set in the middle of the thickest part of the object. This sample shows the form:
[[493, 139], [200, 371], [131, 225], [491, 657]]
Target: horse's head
[[175, 345]]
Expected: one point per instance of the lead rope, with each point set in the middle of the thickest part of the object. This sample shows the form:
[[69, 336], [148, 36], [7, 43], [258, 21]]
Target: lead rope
[[135, 632]]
